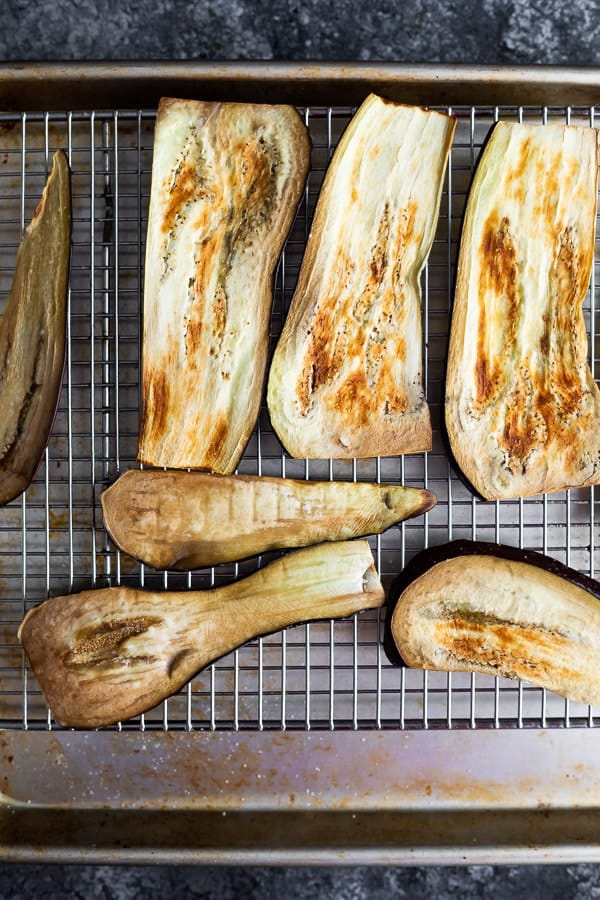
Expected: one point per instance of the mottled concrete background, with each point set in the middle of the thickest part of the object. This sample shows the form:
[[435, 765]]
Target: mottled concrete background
[[357, 883], [483, 31], [490, 31]]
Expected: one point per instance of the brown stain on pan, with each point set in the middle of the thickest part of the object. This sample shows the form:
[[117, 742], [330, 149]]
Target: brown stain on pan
[[58, 521]]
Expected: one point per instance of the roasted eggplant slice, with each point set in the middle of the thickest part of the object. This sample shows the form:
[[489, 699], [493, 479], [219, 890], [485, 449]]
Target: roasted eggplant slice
[[522, 407], [226, 181], [478, 607], [109, 654], [347, 374], [32, 335], [187, 520]]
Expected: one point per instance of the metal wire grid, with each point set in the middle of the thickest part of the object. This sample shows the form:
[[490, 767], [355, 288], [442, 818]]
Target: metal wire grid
[[52, 541]]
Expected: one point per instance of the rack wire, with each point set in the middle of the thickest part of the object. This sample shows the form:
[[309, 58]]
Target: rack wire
[[328, 675]]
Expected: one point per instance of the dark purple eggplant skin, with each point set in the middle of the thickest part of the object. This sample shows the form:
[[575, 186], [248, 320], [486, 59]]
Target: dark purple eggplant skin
[[426, 559]]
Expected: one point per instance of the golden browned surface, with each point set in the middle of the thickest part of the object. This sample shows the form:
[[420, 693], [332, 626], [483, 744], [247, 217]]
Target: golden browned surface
[[32, 335], [226, 180], [187, 520], [109, 654], [346, 378], [499, 617], [506, 649], [522, 408]]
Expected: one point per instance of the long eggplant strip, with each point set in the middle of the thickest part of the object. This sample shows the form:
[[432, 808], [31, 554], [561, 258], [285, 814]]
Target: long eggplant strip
[[187, 520], [33, 335]]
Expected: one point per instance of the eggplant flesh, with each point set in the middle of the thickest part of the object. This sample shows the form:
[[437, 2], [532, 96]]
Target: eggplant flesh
[[346, 378], [226, 182], [478, 607], [33, 335], [522, 408], [188, 520], [105, 655]]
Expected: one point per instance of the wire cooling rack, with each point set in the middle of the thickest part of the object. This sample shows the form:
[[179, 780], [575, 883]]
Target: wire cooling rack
[[52, 540]]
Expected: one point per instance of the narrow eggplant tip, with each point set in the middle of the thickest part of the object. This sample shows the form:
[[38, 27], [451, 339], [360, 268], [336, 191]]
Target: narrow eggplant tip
[[429, 501], [405, 503], [58, 168]]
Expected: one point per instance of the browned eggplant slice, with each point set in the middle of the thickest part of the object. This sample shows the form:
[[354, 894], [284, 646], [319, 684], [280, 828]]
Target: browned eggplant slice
[[479, 607], [187, 520], [346, 378], [522, 406], [33, 333], [108, 654], [226, 181]]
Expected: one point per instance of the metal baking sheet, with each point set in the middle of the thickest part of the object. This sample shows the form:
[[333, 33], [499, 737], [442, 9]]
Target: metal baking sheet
[[327, 678]]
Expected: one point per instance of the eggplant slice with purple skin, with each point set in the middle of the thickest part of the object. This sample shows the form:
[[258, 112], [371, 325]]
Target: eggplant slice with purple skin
[[33, 335], [481, 607], [107, 654]]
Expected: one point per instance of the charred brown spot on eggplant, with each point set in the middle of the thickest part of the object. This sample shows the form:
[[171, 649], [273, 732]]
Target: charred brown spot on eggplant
[[480, 607], [500, 277], [186, 520], [33, 335], [108, 654], [346, 377], [522, 407], [99, 644], [226, 181]]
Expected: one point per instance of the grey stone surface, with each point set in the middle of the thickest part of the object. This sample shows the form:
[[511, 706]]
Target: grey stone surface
[[355, 883], [478, 31], [490, 31]]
